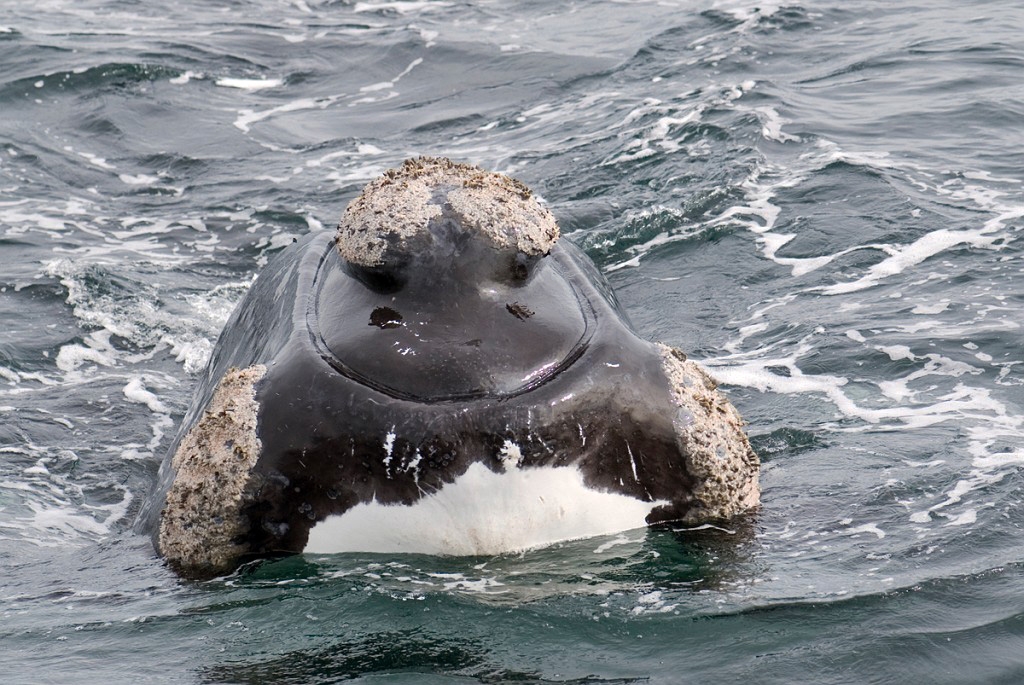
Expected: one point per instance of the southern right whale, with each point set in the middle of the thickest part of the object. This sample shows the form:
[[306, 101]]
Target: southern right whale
[[444, 376]]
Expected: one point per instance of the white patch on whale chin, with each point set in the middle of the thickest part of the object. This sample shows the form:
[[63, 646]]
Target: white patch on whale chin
[[484, 513]]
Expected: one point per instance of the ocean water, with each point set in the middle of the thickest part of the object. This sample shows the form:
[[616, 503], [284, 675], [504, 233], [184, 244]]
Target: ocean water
[[821, 201]]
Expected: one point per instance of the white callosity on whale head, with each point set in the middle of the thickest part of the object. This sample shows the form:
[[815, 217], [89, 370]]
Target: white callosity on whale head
[[718, 452], [400, 205], [484, 513], [202, 516]]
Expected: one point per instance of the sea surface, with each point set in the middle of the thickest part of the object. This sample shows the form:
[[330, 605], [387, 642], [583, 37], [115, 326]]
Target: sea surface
[[822, 201]]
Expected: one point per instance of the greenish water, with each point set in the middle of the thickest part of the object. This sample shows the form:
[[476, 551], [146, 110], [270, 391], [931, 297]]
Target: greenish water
[[821, 202]]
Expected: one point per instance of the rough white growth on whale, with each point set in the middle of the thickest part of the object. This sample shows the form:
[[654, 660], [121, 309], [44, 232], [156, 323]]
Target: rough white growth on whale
[[484, 513], [511, 456]]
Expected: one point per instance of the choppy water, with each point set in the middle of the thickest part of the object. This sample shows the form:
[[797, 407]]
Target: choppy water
[[822, 201]]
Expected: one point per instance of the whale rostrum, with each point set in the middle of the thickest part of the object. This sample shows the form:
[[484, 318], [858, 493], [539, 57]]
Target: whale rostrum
[[440, 376]]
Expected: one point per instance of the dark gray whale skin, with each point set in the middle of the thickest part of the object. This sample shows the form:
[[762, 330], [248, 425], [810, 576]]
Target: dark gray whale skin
[[363, 375], [322, 430]]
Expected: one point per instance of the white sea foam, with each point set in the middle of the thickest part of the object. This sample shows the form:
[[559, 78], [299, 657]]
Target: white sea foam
[[139, 179], [429, 36], [401, 6], [653, 602], [356, 175], [251, 84], [362, 150], [643, 139], [771, 125], [18, 222], [663, 238], [43, 506], [929, 387], [866, 528], [136, 391], [745, 11], [907, 256], [185, 77], [989, 465], [64, 522], [618, 541], [97, 350], [932, 308], [933, 387], [762, 370], [759, 213], [247, 117], [383, 576], [384, 86], [91, 158]]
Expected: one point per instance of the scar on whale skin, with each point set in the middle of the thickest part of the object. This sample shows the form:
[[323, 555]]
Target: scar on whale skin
[[441, 375]]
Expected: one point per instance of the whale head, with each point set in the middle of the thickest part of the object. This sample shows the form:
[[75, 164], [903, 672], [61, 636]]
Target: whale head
[[443, 377], [446, 291]]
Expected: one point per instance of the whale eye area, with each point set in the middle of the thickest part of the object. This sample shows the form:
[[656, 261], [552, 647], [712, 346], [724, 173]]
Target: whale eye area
[[519, 272], [519, 269], [385, 280], [385, 317]]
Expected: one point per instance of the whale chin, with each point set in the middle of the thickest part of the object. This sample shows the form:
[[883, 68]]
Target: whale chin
[[484, 513]]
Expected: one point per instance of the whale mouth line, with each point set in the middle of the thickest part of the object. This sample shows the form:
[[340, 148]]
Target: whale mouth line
[[479, 383], [533, 382]]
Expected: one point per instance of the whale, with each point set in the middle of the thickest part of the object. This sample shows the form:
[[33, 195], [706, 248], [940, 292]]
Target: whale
[[440, 375]]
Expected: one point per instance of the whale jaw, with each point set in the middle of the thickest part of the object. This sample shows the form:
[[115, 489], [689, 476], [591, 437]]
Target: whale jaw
[[484, 513]]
